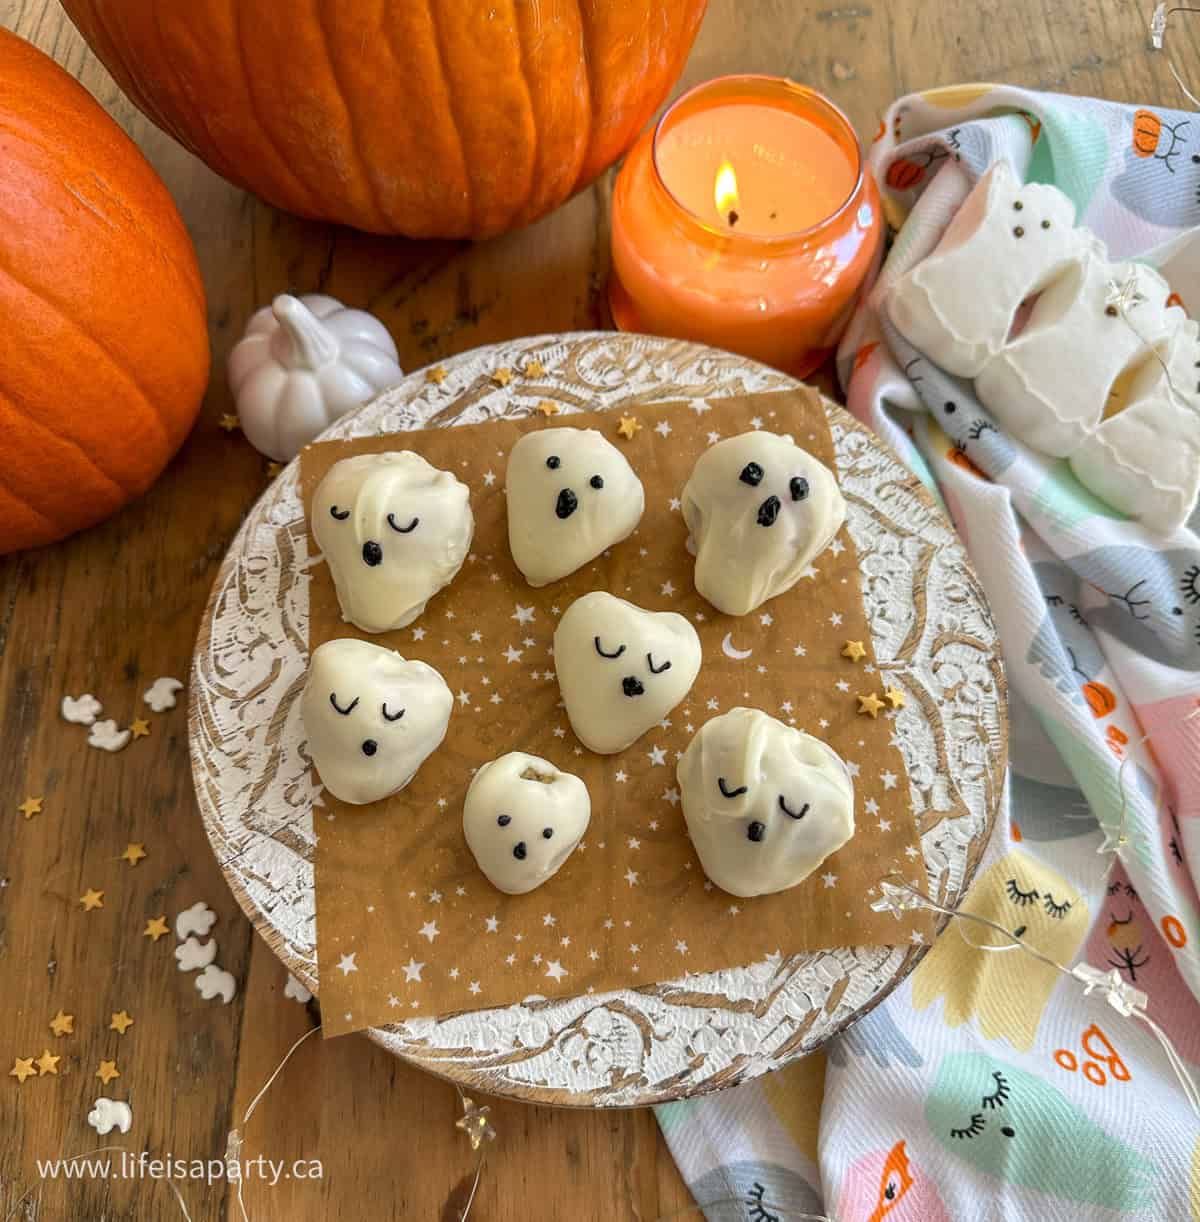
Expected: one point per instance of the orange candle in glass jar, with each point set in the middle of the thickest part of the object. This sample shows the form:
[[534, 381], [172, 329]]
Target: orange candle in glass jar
[[744, 219]]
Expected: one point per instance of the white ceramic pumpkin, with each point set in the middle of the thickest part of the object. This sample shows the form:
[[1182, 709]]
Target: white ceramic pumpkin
[[303, 362]]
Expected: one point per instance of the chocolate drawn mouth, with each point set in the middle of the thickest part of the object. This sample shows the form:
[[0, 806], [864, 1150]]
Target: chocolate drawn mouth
[[632, 686], [372, 553], [566, 504], [768, 511]]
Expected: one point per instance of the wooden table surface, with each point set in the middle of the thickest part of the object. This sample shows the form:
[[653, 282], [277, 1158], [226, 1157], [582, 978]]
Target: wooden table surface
[[109, 611]]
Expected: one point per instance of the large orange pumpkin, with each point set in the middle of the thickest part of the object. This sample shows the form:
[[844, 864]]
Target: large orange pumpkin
[[432, 118], [105, 351]]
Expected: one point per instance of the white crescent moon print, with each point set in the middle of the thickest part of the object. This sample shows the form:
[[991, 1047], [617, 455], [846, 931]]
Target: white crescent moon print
[[728, 650]]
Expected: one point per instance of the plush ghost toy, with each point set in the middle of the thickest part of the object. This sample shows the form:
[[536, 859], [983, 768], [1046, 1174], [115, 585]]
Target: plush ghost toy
[[571, 494], [394, 531], [372, 718], [621, 669], [765, 804], [522, 819], [758, 509]]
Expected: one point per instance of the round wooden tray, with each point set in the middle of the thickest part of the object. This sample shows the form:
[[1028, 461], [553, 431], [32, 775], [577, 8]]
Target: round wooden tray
[[671, 1039]]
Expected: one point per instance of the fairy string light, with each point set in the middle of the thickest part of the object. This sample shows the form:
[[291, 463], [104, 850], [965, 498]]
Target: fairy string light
[[1158, 34]]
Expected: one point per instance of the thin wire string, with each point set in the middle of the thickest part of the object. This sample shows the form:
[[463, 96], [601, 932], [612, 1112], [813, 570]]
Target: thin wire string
[[1158, 33]]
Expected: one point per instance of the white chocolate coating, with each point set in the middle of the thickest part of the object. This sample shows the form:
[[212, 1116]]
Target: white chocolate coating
[[558, 518], [758, 509], [621, 669], [522, 819], [394, 530], [765, 804], [372, 718]]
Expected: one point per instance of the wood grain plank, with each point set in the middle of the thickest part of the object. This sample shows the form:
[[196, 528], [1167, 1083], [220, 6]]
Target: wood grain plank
[[109, 611]]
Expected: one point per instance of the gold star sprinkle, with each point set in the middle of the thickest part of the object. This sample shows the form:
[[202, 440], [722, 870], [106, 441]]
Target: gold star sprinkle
[[121, 1022], [31, 807], [155, 928], [547, 408], [627, 427], [229, 422], [870, 704], [273, 470], [107, 1071], [22, 1069], [895, 697], [63, 1024], [133, 853], [436, 375], [534, 369], [474, 1122], [47, 1063], [140, 727], [502, 376], [92, 899], [853, 650]]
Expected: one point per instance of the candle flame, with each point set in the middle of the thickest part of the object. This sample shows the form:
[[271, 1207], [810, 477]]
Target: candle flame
[[725, 191]]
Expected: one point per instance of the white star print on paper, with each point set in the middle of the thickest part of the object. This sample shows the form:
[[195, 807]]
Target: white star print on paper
[[460, 890], [852, 768], [674, 504], [393, 1000], [711, 704], [667, 589], [489, 478], [564, 941], [620, 777], [911, 851], [453, 973], [830, 880], [634, 948], [699, 407], [593, 955], [734, 910], [513, 655], [756, 423], [837, 547], [663, 429], [809, 572], [523, 615], [510, 959], [491, 923], [885, 825], [497, 698], [555, 970], [888, 780], [786, 706], [631, 877], [608, 924], [346, 964], [430, 930], [917, 937], [633, 842], [474, 987], [657, 756], [842, 685], [494, 577], [549, 919], [823, 723], [529, 642], [766, 619], [871, 806], [672, 796], [835, 619], [464, 697], [713, 438], [559, 732], [412, 971], [681, 946], [665, 724], [799, 650], [418, 634], [477, 636], [537, 958], [435, 897]]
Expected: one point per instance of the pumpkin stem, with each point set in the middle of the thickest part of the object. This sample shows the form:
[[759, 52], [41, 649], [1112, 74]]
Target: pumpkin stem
[[307, 344]]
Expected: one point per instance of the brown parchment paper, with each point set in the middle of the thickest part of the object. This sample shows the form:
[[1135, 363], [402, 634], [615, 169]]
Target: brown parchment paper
[[406, 923]]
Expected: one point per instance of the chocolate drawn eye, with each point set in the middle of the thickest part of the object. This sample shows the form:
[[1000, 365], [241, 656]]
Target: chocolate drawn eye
[[403, 530], [345, 712], [798, 487], [656, 670], [547, 832], [596, 481], [752, 474], [792, 814], [340, 514], [504, 820], [726, 792], [554, 462], [391, 716], [601, 651]]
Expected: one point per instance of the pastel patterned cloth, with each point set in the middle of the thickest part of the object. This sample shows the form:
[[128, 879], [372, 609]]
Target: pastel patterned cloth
[[988, 1086]]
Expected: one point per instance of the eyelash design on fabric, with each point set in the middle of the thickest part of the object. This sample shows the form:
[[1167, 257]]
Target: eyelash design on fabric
[[402, 530], [600, 650], [1189, 584], [756, 1212], [976, 1127], [783, 806], [999, 1096], [345, 712], [656, 670], [731, 793], [341, 517], [1057, 911], [1018, 896], [391, 716]]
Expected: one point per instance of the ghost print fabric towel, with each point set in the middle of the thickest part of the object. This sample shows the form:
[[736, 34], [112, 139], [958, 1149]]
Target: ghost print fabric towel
[[988, 1086]]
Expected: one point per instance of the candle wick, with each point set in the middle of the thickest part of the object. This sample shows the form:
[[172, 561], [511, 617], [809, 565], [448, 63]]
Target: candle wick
[[733, 217]]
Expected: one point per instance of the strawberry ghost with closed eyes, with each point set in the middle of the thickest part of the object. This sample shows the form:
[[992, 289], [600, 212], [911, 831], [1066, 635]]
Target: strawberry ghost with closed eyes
[[372, 718], [765, 804], [394, 531], [758, 510]]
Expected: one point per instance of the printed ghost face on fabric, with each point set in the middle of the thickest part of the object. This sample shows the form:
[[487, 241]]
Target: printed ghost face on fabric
[[758, 510], [1005, 994], [522, 818], [1064, 648], [372, 718], [621, 669], [763, 1192], [874, 1036], [1127, 937], [571, 494], [765, 804], [1161, 179], [886, 1186], [394, 530], [1011, 1125]]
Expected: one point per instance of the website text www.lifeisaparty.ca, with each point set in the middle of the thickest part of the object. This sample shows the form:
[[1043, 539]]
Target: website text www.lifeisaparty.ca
[[128, 1165]]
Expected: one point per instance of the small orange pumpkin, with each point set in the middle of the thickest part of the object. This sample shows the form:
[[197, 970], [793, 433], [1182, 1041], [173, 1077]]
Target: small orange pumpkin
[[105, 353], [1100, 699], [959, 459], [903, 175], [1147, 127]]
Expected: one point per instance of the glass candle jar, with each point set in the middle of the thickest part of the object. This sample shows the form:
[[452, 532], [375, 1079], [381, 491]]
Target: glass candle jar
[[745, 219]]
